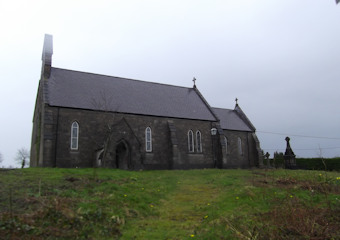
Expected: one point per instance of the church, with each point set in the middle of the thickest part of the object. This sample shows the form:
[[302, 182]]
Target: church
[[89, 120]]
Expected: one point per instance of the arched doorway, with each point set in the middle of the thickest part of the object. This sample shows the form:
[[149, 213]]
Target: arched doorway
[[122, 155]]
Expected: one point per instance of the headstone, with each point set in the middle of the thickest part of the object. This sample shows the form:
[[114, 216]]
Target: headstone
[[267, 158], [289, 157]]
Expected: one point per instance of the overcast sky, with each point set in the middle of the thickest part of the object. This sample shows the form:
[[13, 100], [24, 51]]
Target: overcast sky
[[280, 58]]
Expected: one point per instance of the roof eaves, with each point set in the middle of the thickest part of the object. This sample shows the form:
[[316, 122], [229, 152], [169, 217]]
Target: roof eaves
[[130, 113]]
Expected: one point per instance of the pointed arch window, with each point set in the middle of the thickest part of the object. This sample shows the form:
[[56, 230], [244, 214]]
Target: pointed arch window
[[198, 141], [148, 139], [239, 143], [191, 141], [74, 136], [226, 144]]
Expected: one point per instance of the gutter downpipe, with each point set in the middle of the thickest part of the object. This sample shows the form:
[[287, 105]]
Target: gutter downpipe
[[56, 140]]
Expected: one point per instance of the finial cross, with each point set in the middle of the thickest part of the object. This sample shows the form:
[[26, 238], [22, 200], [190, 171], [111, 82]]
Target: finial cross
[[194, 80], [236, 100]]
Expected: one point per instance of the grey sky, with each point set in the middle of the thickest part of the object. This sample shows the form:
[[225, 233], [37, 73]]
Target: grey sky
[[279, 58]]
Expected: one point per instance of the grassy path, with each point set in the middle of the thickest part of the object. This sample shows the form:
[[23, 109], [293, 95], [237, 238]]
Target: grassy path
[[194, 204], [180, 214]]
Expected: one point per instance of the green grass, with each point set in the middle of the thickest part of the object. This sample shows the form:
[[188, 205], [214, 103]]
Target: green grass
[[195, 204]]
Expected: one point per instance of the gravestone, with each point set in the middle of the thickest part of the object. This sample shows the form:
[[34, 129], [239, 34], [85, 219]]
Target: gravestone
[[268, 160], [289, 157]]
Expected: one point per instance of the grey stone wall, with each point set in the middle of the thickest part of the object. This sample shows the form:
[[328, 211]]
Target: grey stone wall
[[194, 159], [169, 143], [93, 132], [234, 158], [37, 130]]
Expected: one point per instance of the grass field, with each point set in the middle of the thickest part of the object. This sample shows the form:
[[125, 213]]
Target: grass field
[[194, 204]]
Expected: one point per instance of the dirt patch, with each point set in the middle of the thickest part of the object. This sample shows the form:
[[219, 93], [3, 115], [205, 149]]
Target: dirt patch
[[320, 187], [71, 179], [259, 173], [286, 181], [295, 221], [313, 186]]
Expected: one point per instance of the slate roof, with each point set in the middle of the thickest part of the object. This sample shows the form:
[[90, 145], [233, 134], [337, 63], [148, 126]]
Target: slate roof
[[73, 89], [231, 120]]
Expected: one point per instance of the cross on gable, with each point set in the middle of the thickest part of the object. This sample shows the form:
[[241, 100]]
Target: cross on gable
[[194, 80]]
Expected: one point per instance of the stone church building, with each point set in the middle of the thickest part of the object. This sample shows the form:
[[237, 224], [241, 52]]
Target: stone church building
[[89, 120]]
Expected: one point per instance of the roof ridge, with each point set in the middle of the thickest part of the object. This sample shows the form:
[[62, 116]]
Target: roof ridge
[[123, 78], [219, 108]]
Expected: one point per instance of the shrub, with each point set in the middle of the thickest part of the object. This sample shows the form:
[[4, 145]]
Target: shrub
[[332, 164]]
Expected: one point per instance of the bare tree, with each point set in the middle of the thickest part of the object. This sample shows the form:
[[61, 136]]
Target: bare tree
[[1, 158], [22, 157], [104, 102]]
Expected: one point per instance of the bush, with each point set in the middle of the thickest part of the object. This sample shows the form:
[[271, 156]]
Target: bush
[[332, 164]]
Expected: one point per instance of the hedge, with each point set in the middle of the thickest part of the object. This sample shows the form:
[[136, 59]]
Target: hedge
[[332, 164]]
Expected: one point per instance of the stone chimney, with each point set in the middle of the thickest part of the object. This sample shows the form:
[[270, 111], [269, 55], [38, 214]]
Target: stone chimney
[[47, 56]]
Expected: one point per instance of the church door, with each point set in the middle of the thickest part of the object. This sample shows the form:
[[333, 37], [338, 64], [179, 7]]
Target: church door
[[122, 155]]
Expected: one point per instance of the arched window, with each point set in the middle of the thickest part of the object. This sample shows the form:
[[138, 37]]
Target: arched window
[[74, 135], [148, 139], [191, 141], [198, 141], [239, 142], [226, 144]]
